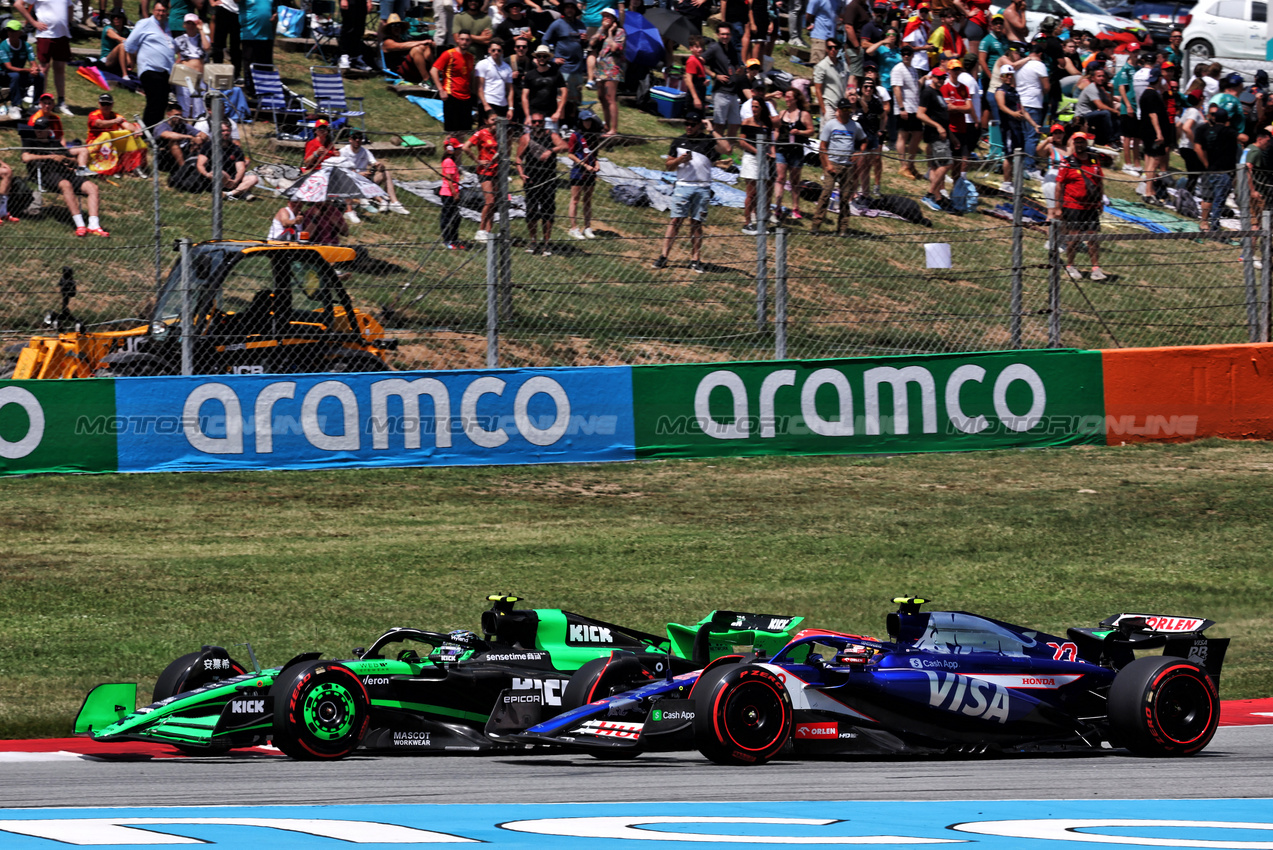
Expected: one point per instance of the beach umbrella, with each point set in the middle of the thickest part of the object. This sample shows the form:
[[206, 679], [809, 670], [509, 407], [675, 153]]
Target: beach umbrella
[[644, 44], [673, 27], [327, 184]]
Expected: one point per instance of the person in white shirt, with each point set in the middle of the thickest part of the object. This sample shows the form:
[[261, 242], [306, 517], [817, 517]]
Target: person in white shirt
[[966, 78], [905, 80], [1140, 82], [494, 81], [1032, 87], [51, 20], [356, 157]]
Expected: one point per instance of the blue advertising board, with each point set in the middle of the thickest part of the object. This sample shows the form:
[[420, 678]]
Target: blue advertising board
[[505, 416]]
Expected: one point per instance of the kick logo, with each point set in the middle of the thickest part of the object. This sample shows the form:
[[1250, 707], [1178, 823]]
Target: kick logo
[[247, 706], [590, 634]]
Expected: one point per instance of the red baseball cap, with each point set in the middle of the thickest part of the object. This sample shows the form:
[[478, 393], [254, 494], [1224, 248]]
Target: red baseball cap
[[939, 71]]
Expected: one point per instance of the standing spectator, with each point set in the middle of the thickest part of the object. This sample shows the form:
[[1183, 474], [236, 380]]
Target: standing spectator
[[537, 152], [483, 146], [736, 14], [1096, 105], [225, 31], [884, 54], [175, 140], [565, 37], [1227, 99], [494, 82], [906, 101], [916, 34], [515, 25], [977, 25], [757, 126], [453, 76], [51, 165], [411, 59], [149, 51], [256, 33], [20, 70], [1188, 126], [51, 20], [840, 137], [725, 64], [443, 19], [520, 63], [942, 149], [192, 45], [1012, 122], [359, 158], [1033, 86], [963, 70], [696, 74], [1128, 124], [1053, 49], [872, 117], [823, 17], [1156, 132], [583, 145], [608, 44], [449, 191], [697, 11], [795, 128], [353, 23], [991, 47], [1080, 196], [178, 9], [544, 89], [830, 79], [477, 23], [1015, 23], [1217, 150], [959, 113], [1175, 52], [1259, 161], [759, 23], [946, 37], [855, 15], [692, 155]]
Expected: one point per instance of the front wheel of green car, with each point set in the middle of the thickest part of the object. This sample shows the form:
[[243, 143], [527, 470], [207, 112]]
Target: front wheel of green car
[[320, 711]]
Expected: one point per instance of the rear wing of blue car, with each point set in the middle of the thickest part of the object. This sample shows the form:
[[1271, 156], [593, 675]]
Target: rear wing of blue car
[[1119, 637]]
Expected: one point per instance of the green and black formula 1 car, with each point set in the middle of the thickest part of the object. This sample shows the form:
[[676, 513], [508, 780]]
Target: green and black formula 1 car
[[411, 690]]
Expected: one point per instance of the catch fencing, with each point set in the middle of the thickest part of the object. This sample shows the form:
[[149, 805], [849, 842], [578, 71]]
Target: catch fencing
[[877, 288]]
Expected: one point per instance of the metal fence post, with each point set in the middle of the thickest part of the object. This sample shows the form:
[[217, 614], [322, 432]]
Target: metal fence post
[[1018, 248], [762, 230], [492, 304], [1243, 188], [1266, 273], [505, 251], [187, 312], [780, 293], [157, 207], [1054, 284], [216, 116]]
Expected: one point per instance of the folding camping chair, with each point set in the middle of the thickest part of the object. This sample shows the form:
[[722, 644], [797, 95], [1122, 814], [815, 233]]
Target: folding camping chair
[[329, 92], [273, 97], [325, 31]]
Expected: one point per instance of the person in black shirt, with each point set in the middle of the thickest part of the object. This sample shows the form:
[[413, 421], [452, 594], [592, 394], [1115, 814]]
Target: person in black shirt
[[729, 78], [515, 25], [53, 167], [1217, 147], [935, 117], [544, 88], [1156, 131]]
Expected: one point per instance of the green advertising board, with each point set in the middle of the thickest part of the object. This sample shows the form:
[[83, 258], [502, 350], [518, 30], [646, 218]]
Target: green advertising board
[[57, 426], [955, 402]]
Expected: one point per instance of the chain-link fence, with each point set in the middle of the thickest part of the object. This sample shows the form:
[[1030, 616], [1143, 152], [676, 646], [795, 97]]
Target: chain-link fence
[[898, 278]]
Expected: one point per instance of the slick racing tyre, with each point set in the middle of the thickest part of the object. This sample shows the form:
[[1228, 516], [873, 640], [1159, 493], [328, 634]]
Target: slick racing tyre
[[320, 711], [600, 678], [191, 672], [1161, 706], [742, 714]]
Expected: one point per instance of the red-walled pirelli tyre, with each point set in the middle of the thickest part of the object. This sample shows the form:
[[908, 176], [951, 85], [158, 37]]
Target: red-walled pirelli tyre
[[742, 714], [320, 711], [1162, 706]]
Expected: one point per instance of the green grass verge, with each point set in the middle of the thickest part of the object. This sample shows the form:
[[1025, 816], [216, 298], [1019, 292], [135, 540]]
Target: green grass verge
[[108, 578]]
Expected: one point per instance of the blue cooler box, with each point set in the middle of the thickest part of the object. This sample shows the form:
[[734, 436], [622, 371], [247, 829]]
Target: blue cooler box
[[670, 102]]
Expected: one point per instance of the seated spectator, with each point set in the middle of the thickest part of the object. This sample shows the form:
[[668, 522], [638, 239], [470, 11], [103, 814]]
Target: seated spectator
[[283, 225], [176, 140], [410, 60], [320, 148], [323, 223], [6, 176], [47, 113], [197, 176], [358, 157], [192, 45], [20, 68], [113, 36], [52, 166], [113, 141]]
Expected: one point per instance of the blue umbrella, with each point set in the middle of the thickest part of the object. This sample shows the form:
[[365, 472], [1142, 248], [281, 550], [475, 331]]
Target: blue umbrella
[[644, 44]]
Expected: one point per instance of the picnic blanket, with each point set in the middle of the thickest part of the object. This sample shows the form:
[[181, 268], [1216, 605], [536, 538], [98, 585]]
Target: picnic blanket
[[428, 189], [431, 105]]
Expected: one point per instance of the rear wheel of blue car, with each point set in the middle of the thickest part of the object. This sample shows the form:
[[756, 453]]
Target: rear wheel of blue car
[[1161, 706], [190, 672], [600, 678], [320, 711], [742, 714]]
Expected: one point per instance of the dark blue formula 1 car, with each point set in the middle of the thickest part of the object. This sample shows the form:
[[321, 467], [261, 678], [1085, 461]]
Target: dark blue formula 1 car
[[944, 682]]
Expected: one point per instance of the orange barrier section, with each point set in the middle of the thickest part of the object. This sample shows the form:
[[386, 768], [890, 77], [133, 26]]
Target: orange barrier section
[[1180, 394]]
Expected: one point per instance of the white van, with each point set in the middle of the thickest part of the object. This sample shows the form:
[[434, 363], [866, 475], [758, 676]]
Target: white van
[[1230, 29]]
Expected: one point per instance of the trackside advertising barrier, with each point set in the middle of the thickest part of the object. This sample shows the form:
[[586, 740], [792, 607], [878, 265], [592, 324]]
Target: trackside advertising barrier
[[869, 405], [584, 415]]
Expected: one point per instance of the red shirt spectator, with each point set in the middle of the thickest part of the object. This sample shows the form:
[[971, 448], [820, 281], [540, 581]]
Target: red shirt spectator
[[455, 72], [1081, 184], [487, 146], [956, 95], [319, 148]]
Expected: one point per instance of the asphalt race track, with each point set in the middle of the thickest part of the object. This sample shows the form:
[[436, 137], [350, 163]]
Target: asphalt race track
[[1238, 763]]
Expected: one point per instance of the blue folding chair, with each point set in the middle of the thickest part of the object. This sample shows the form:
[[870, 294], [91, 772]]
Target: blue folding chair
[[273, 97], [329, 92]]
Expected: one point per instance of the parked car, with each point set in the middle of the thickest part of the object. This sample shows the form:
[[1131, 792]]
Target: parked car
[[1230, 29], [1086, 16], [1160, 17]]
